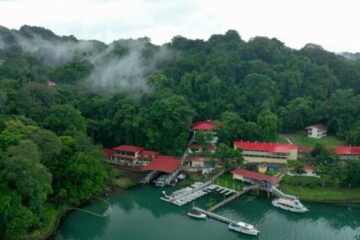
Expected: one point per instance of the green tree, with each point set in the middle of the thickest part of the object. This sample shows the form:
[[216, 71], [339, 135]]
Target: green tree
[[23, 171], [86, 175], [352, 178], [49, 146], [168, 122], [232, 158], [65, 120], [353, 135], [268, 124]]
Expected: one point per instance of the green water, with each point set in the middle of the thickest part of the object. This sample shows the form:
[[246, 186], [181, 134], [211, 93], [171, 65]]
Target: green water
[[139, 214]]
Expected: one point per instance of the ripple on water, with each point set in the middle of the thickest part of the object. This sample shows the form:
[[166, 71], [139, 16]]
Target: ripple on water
[[139, 214]]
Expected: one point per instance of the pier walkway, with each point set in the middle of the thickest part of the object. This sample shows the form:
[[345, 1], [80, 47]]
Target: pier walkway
[[195, 191], [232, 197], [215, 216], [279, 193], [149, 177]]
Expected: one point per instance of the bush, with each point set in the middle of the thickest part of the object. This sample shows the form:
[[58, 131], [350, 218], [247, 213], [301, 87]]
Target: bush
[[302, 181]]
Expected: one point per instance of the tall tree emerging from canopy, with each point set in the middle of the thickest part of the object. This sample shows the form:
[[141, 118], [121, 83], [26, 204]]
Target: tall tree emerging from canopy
[[168, 123], [232, 158], [65, 120], [268, 124], [23, 171]]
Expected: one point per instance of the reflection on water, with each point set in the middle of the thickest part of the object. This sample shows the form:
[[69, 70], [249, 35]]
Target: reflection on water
[[139, 214]]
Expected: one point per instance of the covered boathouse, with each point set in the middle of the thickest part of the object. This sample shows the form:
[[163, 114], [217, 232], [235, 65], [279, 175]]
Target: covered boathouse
[[255, 177], [162, 163]]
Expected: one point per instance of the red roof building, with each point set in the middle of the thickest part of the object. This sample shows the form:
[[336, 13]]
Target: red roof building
[[201, 148], [148, 155], [108, 152], [162, 163], [253, 177], [128, 148], [347, 153], [267, 152], [203, 126], [197, 161], [130, 155]]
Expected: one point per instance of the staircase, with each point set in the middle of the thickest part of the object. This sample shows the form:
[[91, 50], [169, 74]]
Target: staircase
[[279, 193]]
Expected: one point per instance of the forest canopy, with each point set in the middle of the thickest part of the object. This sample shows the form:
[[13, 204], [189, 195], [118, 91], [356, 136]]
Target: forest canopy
[[61, 99]]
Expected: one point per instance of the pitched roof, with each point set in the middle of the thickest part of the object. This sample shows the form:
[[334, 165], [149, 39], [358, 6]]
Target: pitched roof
[[256, 176], [162, 163], [268, 147], [348, 150], [318, 126], [203, 125], [149, 153], [305, 149], [128, 148], [108, 152], [310, 168]]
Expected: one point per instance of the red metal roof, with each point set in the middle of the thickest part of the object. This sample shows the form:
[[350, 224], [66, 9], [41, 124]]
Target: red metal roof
[[318, 126], [256, 176], [149, 153], [305, 149], [162, 163], [268, 147], [310, 168], [203, 125], [348, 150], [108, 152], [128, 148]]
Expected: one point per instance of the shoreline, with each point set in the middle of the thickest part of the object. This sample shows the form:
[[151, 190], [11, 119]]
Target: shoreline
[[326, 195], [119, 184], [290, 189]]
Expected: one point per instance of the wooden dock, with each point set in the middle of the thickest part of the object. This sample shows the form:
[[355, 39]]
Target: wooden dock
[[232, 197], [216, 216]]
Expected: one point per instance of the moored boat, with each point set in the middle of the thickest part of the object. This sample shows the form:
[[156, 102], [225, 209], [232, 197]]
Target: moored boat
[[292, 205], [244, 228], [196, 214]]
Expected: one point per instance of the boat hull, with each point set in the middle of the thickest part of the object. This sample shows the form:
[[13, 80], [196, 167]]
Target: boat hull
[[253, 232], [197, 216], [290, 209]]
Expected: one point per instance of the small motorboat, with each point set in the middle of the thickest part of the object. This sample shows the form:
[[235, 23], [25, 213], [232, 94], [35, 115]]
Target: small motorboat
[[181, 177], [196, 214], [244, 228]]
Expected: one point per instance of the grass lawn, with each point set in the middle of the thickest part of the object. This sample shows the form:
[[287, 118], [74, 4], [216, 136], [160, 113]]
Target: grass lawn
[[226, 180], [324, 195], [301, 139], [281, 139]]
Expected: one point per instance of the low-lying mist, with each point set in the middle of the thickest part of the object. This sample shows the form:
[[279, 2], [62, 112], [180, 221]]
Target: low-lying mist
[[121, 66]]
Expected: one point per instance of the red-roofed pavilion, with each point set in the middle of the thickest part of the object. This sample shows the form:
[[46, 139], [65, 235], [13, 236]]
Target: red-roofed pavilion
[[162, 163], [203, 126], [254, 177]]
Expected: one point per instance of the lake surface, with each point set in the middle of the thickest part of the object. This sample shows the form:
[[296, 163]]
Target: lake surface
[[139, 214]]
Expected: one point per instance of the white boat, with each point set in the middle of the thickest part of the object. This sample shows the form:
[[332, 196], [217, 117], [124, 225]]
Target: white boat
[[244, 228], [181, 176], [196, 214], [292, 205]]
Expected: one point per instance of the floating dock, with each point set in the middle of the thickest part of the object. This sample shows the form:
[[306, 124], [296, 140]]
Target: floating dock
[[232, 197], [195, 191]]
